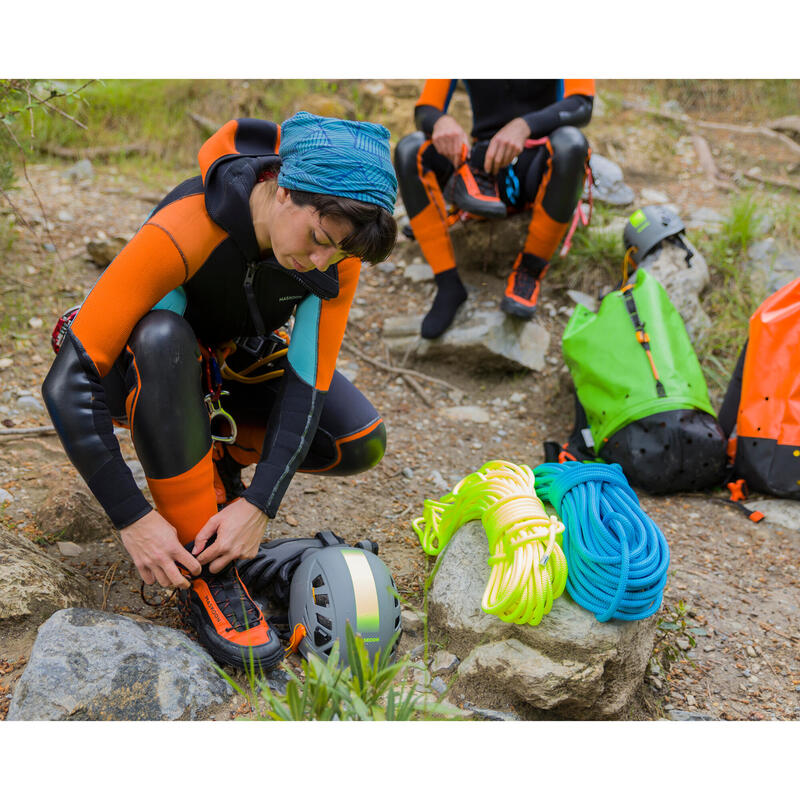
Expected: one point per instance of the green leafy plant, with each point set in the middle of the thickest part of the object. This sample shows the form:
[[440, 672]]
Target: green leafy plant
[[732, 297], [364, 690], [672, 624]]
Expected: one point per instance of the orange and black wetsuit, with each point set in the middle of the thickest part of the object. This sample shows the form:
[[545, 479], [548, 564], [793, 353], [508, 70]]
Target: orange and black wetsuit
[[548, 178], [193, 273]]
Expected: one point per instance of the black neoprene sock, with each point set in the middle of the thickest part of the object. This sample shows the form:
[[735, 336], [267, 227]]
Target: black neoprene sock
[[450, 294]]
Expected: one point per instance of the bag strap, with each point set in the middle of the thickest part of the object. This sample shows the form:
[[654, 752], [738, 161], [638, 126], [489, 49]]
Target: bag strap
[[733, 395], [641, 335]]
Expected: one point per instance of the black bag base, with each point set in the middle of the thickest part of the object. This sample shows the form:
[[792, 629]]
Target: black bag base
[[768, 467], [672, 451]]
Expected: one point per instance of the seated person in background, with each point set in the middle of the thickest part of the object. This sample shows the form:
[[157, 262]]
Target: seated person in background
[[525, 150]]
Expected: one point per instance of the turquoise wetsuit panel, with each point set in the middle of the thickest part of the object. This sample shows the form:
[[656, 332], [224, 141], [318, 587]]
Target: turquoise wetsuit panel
[[174, 301], [303, 347]]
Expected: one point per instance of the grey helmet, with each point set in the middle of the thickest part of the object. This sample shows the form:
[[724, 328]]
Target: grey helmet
[[648, 226], [336, 585]]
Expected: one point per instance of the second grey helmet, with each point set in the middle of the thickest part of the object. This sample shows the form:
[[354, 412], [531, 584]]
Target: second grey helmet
[[649, 226]]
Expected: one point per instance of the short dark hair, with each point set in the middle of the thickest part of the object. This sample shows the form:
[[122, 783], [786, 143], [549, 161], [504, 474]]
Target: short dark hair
[[374, 228]]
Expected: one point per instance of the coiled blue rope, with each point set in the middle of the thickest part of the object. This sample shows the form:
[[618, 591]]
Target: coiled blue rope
[[617, 557]]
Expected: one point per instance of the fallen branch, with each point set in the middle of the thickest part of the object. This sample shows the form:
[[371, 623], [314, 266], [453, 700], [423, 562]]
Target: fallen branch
[[770, 181], [145, 198], [722, 126], [205, 125], [708, 164], [43, 430], [91, 152], [399, 370], [418, 389]]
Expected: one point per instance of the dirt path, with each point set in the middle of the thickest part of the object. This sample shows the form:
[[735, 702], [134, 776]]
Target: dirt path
[[738, 581]]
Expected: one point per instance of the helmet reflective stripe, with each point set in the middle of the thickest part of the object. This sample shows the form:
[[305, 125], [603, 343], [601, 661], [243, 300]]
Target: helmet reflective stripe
[[364, 590]]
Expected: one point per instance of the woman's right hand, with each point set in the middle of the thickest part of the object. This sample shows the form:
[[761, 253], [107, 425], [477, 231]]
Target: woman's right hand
[[154, 547], [449, 138]]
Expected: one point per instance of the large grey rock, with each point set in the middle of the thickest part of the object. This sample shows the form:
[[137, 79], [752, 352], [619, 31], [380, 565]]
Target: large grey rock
[[771, 267], [609, 185], [70, 511], [570, 664], [480, 337], [33, 585], [682, 283], [92, 665]]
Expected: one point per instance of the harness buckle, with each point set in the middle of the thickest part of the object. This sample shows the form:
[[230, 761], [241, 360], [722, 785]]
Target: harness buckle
[[215, 411]]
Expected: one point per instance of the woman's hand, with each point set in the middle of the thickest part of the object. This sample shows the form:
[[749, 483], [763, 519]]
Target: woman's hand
[[154, 547], [239, 527], [506, 145], [449, 138]]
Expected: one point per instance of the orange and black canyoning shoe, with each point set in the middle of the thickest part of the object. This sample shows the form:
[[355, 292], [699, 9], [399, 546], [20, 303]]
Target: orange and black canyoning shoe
[[228, 622], [524, 283], [474, 191]]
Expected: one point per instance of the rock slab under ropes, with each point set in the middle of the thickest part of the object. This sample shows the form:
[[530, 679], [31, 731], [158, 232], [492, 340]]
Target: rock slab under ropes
[[570, 665], [92, 665]]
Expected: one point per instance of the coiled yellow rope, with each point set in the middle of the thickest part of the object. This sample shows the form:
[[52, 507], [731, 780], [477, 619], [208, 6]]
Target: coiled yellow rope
[[528, 567]]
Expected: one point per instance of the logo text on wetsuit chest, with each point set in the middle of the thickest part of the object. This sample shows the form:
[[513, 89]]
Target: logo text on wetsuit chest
[[289, 297]]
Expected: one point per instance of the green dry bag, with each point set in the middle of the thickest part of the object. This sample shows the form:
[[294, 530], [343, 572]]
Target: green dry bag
[[642, 391]]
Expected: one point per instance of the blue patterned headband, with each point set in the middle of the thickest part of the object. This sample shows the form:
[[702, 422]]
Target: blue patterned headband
[[338, 157]]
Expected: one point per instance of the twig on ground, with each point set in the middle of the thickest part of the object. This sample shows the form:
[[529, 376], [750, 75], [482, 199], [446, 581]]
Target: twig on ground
[[756, 130], [399, 370], [145, 198], [91, 152], [43, 430], [708, 164], [770, 181], [418, 389], [205, 125], [108, 582]]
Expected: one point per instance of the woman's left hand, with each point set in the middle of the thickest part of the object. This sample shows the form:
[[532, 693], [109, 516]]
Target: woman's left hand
[[239, 527]]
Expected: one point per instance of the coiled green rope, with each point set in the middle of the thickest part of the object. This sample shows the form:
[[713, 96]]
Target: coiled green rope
[[528, 567]]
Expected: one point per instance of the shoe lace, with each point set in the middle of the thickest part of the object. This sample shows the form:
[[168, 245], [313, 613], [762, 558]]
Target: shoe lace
[[229, 594], [525, 282], [485, 182]]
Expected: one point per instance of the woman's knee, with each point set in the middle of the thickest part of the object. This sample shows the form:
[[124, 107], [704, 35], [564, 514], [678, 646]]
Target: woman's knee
[[161, 335]]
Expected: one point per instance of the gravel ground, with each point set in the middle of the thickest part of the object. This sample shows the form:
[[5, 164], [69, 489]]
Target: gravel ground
[[730, 648]]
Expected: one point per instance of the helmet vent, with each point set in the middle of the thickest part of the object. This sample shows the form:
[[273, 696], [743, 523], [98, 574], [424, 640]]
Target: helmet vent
[[321, 638], [321, 600], [325, 622], [318, 582]]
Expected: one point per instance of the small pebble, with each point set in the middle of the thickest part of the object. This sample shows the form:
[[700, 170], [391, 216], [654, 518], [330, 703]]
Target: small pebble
[[438, 685], [6, 497], [69, 548], [750, 650], [408, 472]]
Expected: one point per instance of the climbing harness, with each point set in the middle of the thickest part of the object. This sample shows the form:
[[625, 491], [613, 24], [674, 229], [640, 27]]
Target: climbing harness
[[528, 567], [265, 349], [617, 555]]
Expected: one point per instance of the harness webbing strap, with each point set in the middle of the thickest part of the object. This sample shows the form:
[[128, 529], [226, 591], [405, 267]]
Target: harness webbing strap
[[641, 336]]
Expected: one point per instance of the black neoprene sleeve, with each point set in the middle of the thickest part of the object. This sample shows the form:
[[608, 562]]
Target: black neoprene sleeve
[[425, 118], [290, 430], [575, 110]]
